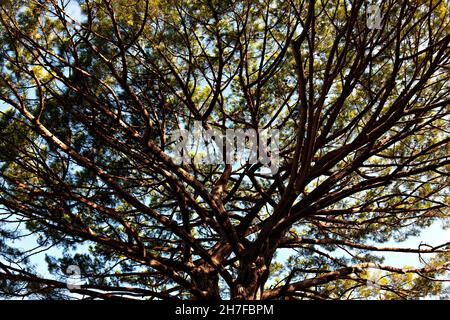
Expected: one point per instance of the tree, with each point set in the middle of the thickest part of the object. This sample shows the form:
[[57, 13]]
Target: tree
[[92, 90]]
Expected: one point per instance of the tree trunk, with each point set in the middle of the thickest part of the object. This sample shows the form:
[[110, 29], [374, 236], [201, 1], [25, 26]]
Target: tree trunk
[[206, 279], [251, 279]]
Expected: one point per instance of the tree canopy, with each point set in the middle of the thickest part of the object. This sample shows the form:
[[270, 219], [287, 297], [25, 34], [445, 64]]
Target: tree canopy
[[92, 90]]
